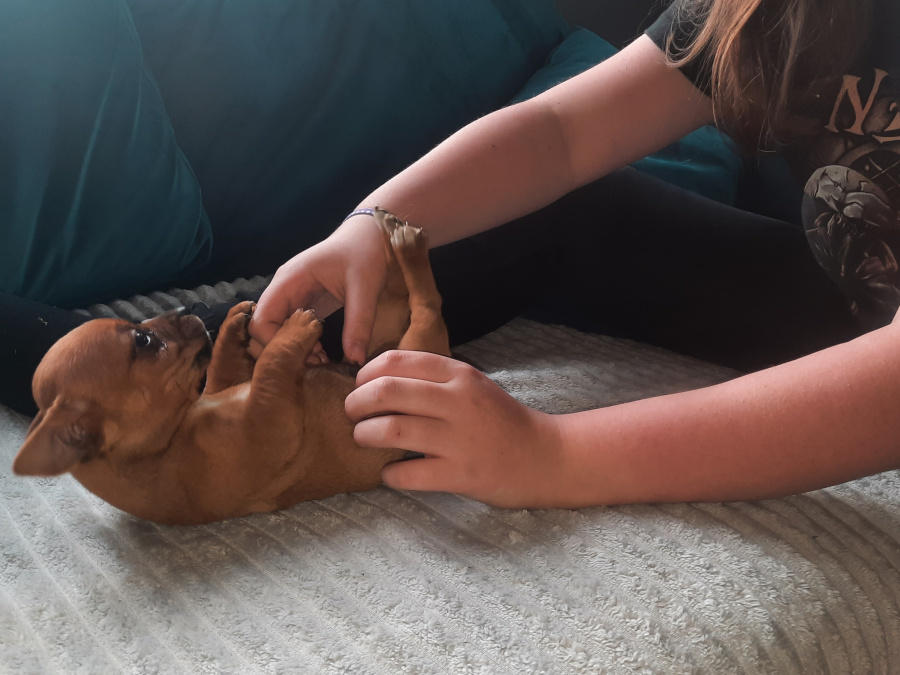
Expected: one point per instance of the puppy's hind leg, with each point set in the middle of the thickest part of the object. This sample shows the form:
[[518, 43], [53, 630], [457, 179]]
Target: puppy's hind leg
[[392, 312], [427, 331]]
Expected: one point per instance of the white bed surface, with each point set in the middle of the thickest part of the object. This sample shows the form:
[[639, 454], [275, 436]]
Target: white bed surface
[[389, 582]]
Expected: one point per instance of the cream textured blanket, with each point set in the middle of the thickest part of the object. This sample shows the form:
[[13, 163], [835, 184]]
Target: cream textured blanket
[[388, 582]]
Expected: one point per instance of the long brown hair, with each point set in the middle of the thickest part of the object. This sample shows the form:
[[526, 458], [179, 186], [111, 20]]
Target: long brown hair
[[766, 59]]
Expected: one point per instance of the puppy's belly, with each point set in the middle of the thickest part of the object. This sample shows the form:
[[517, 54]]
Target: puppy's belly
[[325, 460], [328, 460]]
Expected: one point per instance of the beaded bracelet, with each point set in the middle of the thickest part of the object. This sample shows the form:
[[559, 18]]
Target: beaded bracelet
[[359, 212]]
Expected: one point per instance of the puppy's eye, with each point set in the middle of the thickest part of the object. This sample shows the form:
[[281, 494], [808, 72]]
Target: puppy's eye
[[146, 341]]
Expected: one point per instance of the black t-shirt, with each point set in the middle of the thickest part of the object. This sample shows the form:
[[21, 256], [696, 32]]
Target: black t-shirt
[[849, 167]]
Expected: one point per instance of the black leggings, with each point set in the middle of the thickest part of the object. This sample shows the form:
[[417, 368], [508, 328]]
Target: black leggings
[[628, 256], [633, 256]]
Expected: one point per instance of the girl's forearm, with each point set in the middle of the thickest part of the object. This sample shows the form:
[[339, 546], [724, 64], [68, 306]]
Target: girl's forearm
[[521, 158], [818, 421], [498, 168]]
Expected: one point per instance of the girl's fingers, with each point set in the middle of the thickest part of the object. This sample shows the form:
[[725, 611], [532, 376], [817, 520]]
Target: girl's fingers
[[284, 295], [416, 474], [255, 348], [317, 356], [419, 434], [399, 396], [407, 364], [359, 315]]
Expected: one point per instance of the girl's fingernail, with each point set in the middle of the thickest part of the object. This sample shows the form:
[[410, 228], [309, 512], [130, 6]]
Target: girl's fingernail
[[357, 353]]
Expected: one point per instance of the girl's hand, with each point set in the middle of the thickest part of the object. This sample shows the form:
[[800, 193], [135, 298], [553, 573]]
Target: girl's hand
[[477, 440], [346, 269]]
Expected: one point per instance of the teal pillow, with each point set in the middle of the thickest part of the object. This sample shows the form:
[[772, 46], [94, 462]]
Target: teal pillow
[[96, 200], [704, 162], [291, 111]]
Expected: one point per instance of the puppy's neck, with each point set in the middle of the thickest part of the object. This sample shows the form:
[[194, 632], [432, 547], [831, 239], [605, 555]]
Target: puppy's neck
[[131, 448], [143, 476]]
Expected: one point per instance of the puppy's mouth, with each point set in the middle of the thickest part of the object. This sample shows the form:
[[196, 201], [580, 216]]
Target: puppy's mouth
[[204, 355], [201, 362]]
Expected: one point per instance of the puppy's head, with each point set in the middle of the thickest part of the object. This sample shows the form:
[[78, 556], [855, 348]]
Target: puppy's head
[[114, 390]]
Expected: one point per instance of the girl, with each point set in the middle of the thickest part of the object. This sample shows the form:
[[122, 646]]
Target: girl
[[809, 77]]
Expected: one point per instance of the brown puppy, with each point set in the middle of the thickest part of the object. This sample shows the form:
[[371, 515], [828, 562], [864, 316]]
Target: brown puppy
[[121, 406]]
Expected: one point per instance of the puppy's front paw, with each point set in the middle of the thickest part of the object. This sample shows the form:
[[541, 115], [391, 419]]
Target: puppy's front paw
[[241, 312], [297, 340], [304, 321], [302, 328], [235, 328], [231, 362]]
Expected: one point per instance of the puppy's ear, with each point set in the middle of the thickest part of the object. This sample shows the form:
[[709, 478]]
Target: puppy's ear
[[57, 440]]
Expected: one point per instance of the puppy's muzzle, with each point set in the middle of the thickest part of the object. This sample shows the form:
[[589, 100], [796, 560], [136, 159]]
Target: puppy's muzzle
[[179, 325]]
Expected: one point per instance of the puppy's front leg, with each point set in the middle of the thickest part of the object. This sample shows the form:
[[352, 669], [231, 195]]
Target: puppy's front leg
[[256, 436], [231, 362], [278, 376]]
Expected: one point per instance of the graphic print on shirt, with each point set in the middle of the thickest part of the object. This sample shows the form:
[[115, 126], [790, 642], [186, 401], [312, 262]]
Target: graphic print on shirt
[[851, 199]]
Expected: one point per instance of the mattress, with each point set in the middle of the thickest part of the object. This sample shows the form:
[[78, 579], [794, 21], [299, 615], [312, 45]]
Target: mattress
[[387, 582]]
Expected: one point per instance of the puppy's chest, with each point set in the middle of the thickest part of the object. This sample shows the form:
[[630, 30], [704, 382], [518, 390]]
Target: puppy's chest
[[319, 402], [219, 403]]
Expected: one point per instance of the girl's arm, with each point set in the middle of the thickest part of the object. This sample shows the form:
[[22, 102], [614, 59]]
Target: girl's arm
[[820, 420], [500, 167], [817, 421], [523, 157]]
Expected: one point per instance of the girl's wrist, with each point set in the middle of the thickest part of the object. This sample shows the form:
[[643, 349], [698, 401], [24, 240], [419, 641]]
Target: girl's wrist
[[582, 476], [561, 478], [357, 224]]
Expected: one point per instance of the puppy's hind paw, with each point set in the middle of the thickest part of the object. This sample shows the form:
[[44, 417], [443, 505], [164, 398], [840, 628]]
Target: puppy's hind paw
[[387, 221], [408, 238]]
